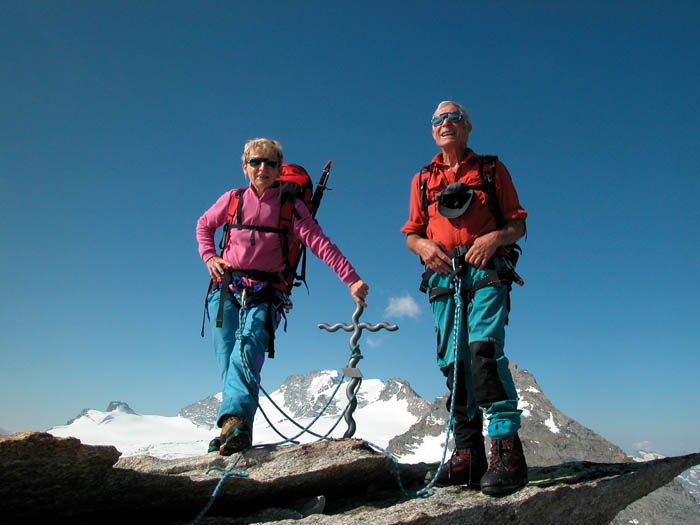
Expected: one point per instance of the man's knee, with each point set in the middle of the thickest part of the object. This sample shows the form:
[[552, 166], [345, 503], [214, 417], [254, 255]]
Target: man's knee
[[488, 387]]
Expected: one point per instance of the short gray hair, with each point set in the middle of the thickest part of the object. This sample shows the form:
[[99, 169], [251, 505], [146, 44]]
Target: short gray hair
[[264, 146], [460, 107]]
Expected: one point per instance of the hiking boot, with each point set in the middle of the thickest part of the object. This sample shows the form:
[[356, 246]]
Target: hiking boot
[[235, 436], [507, 470], [214, 444], [465, 467]]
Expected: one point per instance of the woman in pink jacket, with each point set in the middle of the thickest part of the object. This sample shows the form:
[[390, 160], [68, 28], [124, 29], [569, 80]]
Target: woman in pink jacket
[[253, 304]]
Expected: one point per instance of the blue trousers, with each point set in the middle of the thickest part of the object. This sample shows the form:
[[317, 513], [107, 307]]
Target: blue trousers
[[483, 377], [240, 380]]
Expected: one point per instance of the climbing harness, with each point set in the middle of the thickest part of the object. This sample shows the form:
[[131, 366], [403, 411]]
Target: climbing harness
[[493, 277], [262, 292]]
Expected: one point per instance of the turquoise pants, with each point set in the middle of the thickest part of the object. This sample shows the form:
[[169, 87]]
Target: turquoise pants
[[483, 377], [240, 381]]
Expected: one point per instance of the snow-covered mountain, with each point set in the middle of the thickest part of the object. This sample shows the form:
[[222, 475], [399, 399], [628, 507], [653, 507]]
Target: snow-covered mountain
[[133, 434], [383, 411]]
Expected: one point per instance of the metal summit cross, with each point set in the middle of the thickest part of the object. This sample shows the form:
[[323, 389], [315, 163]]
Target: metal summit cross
[[351, 370]]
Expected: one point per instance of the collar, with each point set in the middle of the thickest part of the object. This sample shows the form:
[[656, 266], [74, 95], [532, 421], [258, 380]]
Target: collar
[[273, 192], [471, 157]]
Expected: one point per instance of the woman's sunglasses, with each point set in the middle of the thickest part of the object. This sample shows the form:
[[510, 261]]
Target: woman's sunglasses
[[256, 161]]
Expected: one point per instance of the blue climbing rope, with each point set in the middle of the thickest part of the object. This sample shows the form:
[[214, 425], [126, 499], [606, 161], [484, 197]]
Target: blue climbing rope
[[427, 490], [226, 474], [252, 379]]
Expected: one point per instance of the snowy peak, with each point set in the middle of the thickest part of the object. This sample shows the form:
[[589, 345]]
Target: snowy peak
[[135, 434], [306, 395], [119, 406], [383, 410], [114, 406], [203, 412]]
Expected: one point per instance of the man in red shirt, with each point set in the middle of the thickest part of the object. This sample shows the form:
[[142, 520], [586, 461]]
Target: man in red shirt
[[462, 225]]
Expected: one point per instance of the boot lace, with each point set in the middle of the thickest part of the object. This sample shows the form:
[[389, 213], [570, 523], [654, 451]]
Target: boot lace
[[503, 455]]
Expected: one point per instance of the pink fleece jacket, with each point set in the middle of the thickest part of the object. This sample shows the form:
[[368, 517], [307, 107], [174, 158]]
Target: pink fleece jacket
[[266, 253]]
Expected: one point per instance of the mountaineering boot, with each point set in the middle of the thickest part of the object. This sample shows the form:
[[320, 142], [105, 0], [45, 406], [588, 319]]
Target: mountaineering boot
[[465, 467], [235, 436], [214, 444], [507, 470]]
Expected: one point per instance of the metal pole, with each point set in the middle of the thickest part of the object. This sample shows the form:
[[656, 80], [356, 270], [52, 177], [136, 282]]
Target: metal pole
[[352, 371]]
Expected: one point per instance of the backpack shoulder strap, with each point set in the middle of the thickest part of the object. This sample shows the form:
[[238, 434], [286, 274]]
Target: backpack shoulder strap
[[425, 174], [235, 204], [488, 179], [288, 213]]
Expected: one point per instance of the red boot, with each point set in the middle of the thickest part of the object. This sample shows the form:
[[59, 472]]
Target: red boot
[[507, 470], [465, 467]]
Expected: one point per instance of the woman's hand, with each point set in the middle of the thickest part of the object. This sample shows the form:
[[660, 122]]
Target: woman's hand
[[359, 291], [216, 266]]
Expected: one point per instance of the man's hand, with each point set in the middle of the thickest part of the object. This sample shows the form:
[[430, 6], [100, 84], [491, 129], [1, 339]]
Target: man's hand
[[216, 266], [431, 252], [482, 249], [359, 291]]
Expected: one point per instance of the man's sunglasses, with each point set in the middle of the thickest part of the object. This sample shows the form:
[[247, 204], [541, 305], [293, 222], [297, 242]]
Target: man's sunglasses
[[452, 116], [256, 161]]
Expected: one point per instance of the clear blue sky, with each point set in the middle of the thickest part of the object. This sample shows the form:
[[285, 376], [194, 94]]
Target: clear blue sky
[[123, 121]]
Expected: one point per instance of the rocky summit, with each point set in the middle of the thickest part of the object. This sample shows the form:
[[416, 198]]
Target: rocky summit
[[336, 481]]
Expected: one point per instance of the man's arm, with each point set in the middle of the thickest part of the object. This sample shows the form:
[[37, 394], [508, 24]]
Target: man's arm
[[430, 251], [485, 246]]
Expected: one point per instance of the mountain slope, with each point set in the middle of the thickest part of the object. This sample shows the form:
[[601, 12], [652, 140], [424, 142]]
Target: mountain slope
[[549, 437]]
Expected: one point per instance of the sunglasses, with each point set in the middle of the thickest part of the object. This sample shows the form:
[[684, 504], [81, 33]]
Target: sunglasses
[[256, 161], [452, 116]]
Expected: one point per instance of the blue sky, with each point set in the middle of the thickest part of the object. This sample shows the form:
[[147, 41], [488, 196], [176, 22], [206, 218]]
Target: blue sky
[[122, 122]]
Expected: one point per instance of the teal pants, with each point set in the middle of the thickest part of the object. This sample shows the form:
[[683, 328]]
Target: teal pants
[[483, 378], [240, 356]]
